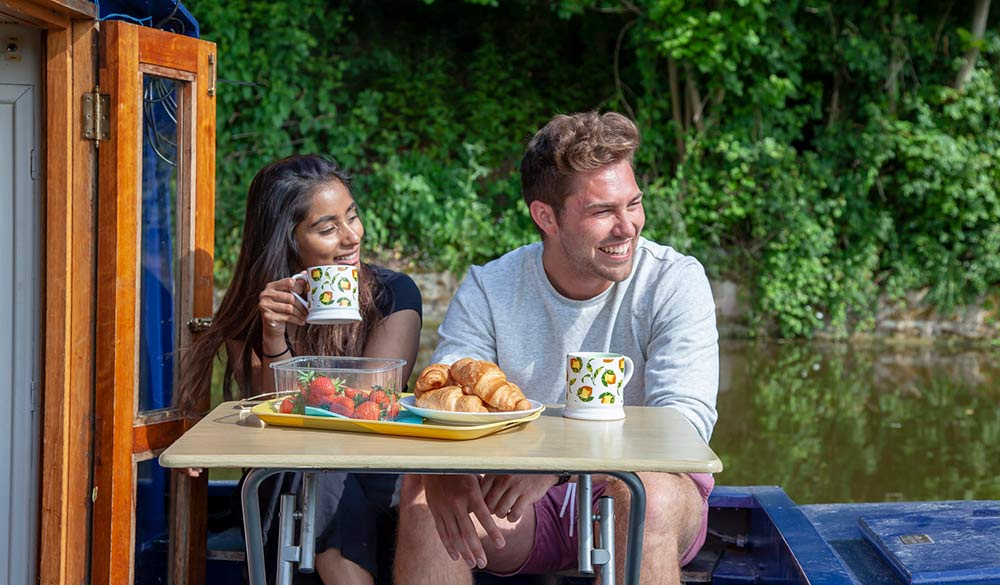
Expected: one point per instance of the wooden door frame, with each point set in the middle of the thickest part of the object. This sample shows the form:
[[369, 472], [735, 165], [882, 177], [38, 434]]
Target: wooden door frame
[[69, 254], [69, 333], [124, 436]]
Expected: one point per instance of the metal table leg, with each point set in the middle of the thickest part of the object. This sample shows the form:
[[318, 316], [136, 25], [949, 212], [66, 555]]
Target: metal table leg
[[606, 554], [587, 555], [288, 553], [636, 525], [251, 524], [584, 525], [307, 535]]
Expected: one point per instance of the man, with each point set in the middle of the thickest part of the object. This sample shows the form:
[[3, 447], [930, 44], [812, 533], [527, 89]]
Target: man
[[592, 284]]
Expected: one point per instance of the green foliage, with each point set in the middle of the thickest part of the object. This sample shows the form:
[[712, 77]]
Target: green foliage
[[817, 153]]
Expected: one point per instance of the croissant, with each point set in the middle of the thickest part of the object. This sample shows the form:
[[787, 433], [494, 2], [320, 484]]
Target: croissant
[[433, 376], [487, 381], [450, 398]]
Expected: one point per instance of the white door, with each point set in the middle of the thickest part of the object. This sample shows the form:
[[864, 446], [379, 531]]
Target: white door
[[21, 288]]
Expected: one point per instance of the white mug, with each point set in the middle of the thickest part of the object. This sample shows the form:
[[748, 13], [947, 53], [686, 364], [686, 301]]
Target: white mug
[[332, 294], [594, 383]]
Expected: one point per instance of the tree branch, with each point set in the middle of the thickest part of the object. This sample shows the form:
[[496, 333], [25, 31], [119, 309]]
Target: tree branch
[[675, 108], [895, 62], [979, 17], [618, 79], [697, 105]]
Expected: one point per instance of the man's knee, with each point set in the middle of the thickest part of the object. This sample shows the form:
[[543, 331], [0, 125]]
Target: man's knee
[[673, 502], [670, 499]]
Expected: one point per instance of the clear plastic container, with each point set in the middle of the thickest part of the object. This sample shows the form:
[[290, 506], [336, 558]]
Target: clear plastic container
[[357, 387]]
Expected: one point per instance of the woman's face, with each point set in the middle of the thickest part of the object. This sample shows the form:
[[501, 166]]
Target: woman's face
[[331, 232]]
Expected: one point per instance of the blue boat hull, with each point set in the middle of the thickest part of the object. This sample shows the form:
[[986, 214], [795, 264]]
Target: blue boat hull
[[759, 535]]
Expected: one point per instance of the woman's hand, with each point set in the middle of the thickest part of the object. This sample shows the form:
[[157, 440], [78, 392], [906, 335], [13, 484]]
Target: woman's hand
[[278, 307]]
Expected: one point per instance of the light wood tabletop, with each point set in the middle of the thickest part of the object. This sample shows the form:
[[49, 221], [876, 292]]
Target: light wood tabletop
[[648, 439]]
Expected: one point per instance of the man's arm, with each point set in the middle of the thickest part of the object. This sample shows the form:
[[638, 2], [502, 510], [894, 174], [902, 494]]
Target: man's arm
[[682, 365]]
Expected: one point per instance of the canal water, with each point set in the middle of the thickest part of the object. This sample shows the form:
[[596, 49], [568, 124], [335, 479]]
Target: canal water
[[860, 423]]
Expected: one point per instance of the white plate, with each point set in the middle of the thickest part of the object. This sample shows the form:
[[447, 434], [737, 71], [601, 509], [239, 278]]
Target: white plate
[[467, 418]]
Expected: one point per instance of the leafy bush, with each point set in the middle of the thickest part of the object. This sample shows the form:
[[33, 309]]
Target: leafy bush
[[819, 153]]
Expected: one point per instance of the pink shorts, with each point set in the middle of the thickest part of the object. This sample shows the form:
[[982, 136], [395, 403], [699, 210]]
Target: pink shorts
[[556, 547]]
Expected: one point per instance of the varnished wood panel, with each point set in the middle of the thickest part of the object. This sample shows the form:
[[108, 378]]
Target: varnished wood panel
[[56, 387], [69, 334], [40, 14], [73, 8], [53, 13], [83, 307], [117, 323], [168, 50], [156, 436], [205, 182]]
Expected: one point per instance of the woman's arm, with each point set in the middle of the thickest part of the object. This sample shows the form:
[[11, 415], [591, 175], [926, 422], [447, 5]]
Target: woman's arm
[[398, 336], [278, 308]]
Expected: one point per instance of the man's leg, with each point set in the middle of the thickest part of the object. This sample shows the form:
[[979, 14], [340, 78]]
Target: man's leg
[[674, 509], [421, 558], [333, 568]]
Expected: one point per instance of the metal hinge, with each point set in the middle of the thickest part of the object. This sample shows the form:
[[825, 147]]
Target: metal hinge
[[96, 115], [34, 396]]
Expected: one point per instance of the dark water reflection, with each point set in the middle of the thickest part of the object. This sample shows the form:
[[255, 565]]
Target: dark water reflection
[[843, 423]]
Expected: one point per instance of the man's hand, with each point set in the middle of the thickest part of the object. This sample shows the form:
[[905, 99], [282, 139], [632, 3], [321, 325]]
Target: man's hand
[[451, 499], [508, 496]]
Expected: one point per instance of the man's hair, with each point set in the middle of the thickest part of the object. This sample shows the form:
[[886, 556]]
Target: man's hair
[[570, 145]]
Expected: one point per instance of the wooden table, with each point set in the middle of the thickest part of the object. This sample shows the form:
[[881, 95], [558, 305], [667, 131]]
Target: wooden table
[[648, 439]]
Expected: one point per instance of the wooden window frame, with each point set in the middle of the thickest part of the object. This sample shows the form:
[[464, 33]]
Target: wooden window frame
[[123, 436]]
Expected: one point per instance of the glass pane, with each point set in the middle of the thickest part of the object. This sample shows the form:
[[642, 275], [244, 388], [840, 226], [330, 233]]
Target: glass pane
[[151, 534], [159, 241]]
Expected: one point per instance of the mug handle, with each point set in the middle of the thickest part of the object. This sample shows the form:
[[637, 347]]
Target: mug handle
[[629, 369], [301, 276]]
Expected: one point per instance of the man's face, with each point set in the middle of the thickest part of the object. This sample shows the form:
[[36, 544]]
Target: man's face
[[598, 228]]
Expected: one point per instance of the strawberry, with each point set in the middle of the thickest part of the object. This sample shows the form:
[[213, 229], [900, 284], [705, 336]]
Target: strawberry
[[342, 405], [368, 411], [286, 405], [324, 385], [379, 397], [353, 393], [393, 412], [319, 390]]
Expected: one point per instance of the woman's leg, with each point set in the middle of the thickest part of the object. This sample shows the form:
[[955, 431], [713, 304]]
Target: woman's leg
[[334, 569]]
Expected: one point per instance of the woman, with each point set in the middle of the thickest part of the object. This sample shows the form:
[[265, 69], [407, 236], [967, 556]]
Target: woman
[[300, 213]]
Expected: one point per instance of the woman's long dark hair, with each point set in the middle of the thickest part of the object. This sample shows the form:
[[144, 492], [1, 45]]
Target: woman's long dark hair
[[279, 199]]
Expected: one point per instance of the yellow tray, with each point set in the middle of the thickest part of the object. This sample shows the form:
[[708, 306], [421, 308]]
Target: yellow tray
[[267, 411]]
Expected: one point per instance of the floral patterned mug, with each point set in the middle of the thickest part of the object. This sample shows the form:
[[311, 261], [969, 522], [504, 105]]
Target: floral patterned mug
[[333, 294], [594, 383]]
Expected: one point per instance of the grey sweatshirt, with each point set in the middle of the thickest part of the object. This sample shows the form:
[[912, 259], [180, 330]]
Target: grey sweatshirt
[[662, 316]]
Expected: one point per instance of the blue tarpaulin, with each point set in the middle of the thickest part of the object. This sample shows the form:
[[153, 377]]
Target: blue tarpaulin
[[164, 14]]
